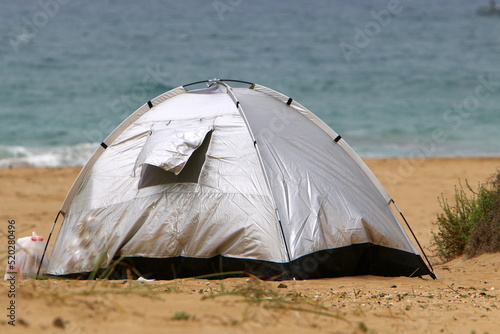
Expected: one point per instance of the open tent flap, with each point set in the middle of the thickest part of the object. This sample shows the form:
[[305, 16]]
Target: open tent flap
[[170, 146]]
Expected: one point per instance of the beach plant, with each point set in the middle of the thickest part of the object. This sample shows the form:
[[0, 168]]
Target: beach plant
[[471, 225], [181, 315]]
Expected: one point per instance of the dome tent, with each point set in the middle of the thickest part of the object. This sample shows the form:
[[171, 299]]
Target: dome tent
[[225, 179]]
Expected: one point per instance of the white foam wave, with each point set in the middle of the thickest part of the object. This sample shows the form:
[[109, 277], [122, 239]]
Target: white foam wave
[[17, 156]]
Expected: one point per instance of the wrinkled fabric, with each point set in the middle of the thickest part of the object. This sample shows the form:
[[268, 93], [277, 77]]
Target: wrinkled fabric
[[171, 144], [228, 212], [324, 198], [291, 192]]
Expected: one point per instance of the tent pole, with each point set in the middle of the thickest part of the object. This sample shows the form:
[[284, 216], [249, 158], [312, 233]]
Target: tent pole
[[242, 113], [47, 244], [433, 275]]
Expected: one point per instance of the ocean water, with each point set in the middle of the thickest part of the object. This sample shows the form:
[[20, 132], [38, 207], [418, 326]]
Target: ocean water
[[396, 78]]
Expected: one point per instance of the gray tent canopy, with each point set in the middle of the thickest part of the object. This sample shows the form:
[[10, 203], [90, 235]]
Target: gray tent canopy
[[224, 179]]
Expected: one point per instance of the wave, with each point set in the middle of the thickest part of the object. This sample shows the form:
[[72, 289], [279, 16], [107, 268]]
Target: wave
[[20, 156], [78, 155]]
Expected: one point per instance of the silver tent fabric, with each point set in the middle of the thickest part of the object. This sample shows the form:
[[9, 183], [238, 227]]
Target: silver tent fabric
[[274, 186], [324, 198], [170, 146], [229, 212]]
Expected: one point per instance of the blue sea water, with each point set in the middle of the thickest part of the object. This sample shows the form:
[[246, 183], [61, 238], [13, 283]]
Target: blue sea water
[[395, 78]]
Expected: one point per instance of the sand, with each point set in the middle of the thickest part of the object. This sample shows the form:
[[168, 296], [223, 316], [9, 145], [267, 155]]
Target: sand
[[465, 298]]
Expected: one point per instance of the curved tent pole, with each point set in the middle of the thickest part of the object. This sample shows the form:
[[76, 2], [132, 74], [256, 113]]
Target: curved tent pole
[[240, 110], [100, 150], [179, 90], [337, 138], [240, 81], [215, 80], [195, 83]]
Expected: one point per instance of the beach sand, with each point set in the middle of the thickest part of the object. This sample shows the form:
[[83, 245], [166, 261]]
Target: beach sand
[[465, 298]]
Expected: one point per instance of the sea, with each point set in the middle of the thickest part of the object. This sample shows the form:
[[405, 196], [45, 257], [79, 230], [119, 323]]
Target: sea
[[395, 78]]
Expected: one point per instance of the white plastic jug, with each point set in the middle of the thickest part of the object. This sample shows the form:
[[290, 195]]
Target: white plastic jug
[[29, 251]]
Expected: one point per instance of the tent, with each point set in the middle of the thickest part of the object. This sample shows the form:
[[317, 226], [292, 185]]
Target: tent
[[233, 177]]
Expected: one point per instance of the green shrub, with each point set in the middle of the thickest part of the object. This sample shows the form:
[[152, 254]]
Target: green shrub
[[471, 226], [181, 315]]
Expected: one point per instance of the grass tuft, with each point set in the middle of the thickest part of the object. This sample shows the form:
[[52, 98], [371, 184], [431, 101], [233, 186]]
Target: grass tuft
[[257, 292], [471, 226], [181, 315]]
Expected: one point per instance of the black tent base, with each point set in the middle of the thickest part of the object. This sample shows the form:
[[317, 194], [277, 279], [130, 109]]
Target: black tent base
[[354, 260]]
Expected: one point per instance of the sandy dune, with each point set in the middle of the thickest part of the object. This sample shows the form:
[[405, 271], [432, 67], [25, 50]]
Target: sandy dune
[[465, 299]]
